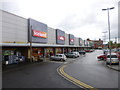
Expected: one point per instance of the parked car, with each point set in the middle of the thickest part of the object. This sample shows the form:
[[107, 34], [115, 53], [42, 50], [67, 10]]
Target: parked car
[[77, 53], [59, 57], [88, 50], [114, 59], [102, 57], [72, 54], [82, 52]]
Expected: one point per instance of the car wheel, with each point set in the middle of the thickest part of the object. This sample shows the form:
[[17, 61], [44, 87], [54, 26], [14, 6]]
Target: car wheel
[[101, 58], [61, 59]]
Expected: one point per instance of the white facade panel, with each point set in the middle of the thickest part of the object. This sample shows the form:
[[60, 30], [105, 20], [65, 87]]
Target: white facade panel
[[51, 36], [14, 28], [66, 39], [76, 41]]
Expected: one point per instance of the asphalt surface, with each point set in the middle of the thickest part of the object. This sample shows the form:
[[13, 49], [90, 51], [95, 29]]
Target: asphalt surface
[[93, 72], [86, 68], [37, 75]]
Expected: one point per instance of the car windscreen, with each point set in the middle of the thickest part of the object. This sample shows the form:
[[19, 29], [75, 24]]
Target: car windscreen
[[112, 56], [60, 55]]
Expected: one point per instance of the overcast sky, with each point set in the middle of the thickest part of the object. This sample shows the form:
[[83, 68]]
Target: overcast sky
[[82, 18]]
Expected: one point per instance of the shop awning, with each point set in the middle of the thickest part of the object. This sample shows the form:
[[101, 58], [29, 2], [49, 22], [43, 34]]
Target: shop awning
[[35, 45]]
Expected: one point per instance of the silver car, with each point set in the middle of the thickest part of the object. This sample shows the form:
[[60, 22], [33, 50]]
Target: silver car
[[72, 54], [59, 57], [114, 59]]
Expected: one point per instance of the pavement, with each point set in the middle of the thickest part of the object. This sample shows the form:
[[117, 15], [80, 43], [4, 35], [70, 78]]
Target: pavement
[[73, 80], [34, 75], [114, 67]]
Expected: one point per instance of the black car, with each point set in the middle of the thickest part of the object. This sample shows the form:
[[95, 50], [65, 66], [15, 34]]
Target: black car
[[82, 52]]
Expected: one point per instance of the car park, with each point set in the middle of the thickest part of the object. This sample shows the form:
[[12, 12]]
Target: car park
[[59, 57], [114, 59]]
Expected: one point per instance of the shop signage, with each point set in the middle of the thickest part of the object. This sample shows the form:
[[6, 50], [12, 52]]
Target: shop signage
[[41, 34], [71, 39], [60, 36], [37, 31], [80, 41]]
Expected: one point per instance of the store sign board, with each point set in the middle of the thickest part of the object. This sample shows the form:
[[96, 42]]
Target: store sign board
[[37, 31], [71, 39], [41, 34], [60, 36], [80, 41]]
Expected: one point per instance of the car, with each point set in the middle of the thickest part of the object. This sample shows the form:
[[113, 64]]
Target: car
[[102, 57], [114, 59], [88, 50], [82, 52], [72, 54], [105, 51], [77, 53], [59, 57]]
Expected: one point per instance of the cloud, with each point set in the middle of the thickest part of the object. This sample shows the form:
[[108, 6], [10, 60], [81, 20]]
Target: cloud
[[83, 18]]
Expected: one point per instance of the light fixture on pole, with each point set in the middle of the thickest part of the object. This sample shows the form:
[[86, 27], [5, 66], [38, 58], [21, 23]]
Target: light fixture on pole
[[109, 29]]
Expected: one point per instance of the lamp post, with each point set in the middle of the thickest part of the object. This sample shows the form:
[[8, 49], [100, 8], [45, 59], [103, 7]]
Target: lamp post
[[109, 29]]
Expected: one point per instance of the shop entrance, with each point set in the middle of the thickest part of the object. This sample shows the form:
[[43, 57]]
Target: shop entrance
[[49, 52], [37, 54], [13, 55]]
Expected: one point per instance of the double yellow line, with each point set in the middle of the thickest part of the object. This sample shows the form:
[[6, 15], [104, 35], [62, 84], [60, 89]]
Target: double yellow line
[[73, 80]]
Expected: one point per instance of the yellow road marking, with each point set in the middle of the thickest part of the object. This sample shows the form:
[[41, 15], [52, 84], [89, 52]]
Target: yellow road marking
[[75, 81]]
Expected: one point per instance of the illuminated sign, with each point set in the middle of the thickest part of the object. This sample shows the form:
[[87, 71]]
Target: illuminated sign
[[39, 34], [71, 40], [61, 38]]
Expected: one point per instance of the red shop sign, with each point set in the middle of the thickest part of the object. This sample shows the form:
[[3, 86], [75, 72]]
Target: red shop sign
[[39, 34], [61, 38], [71, 40]]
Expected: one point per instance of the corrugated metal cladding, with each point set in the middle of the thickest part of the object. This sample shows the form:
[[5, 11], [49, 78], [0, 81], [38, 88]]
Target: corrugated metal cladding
[[14, 28], [66, 39], [51, 36], [76, 41]]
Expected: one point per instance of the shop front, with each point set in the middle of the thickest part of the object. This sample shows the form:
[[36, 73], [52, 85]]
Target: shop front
[[14, 55], [49, 52], [37, 54], [59, 50]]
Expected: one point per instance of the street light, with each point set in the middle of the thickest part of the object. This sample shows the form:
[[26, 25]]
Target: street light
[[109, 29]]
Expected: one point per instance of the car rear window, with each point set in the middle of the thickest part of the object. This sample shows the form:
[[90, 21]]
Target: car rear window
[[112, 56]]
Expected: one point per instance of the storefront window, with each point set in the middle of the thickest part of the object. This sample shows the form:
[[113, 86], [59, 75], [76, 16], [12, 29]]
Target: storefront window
[[49, 52], [58, 50]]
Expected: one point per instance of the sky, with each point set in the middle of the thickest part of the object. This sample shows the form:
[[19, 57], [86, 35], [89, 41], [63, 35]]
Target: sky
[[82, 18]]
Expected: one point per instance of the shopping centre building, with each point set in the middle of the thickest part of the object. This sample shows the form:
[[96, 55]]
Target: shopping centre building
[[28, 38]]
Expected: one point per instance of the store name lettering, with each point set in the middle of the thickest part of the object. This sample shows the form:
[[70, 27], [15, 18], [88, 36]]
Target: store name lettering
[[39, 34], [61, 38], [71, 40]]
